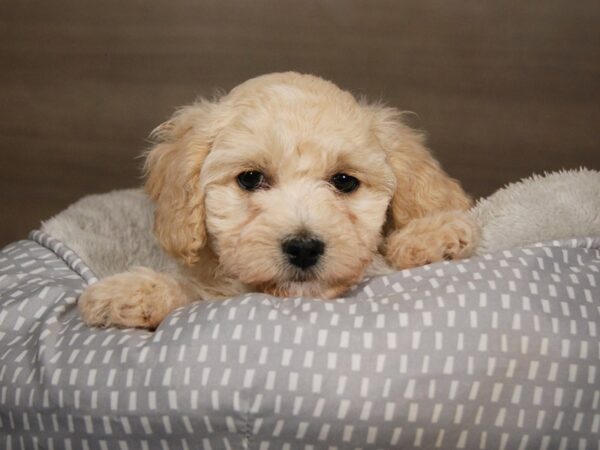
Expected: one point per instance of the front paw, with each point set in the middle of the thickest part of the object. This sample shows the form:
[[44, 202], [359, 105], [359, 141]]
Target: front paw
[[443, 236], [140, 298]]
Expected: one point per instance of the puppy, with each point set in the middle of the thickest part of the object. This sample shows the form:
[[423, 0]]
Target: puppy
[[289, 186]]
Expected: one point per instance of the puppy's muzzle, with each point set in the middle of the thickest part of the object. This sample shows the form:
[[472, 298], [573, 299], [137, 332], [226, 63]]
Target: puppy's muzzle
[[302, 251]]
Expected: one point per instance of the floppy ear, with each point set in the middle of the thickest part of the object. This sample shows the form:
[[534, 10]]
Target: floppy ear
[[422, 187], [173, 168]]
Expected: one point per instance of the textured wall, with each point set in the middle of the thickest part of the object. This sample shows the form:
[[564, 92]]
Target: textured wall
[[503, 88]]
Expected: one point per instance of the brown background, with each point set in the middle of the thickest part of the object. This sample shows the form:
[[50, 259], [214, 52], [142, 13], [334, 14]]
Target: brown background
[[504, 88]]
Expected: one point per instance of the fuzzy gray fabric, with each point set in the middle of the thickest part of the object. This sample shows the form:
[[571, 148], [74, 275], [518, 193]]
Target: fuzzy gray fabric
[[113, 232], [557, 205]]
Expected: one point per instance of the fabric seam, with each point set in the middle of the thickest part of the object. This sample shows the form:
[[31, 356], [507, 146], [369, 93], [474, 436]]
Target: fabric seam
[[73, 261]]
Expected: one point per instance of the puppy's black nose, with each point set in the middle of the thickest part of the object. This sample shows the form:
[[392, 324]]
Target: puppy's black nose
[[303, 252]]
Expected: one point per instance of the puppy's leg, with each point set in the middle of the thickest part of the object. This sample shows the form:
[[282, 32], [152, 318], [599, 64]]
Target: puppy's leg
[[139, 298], [444, 235]]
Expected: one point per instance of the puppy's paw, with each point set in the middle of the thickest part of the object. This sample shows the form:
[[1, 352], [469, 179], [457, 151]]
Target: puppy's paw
[[140, 298], [443, 236]]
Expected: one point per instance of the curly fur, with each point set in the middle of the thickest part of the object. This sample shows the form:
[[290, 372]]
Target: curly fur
[[299, 130]]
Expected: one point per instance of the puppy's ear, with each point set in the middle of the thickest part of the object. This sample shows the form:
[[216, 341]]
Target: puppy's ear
[[422, 187], [172, 169]]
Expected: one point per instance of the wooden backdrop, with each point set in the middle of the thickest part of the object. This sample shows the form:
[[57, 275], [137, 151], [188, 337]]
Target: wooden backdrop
[[504, 88]]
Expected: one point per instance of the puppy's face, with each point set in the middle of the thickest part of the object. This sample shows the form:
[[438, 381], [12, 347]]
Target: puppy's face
[[288, 179], [296, 192]]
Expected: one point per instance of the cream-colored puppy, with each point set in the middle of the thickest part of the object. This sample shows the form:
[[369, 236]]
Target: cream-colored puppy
[[290, 186]]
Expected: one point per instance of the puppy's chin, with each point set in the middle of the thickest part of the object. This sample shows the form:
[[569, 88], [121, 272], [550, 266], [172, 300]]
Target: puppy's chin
[[304, 289], [309, 286]]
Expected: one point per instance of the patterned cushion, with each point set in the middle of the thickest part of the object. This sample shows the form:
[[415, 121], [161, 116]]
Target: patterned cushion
[[501, 351]]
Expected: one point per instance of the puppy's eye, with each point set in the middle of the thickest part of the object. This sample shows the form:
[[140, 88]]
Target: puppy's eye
[[344, 183], [251, 180]]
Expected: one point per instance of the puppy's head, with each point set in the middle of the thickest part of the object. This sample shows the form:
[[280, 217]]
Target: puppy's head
[[290, 181]]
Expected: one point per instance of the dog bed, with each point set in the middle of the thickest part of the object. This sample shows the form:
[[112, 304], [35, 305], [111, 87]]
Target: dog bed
[[500, 351]]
